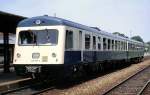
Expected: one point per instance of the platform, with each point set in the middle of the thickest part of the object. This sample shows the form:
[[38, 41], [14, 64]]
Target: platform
[[9, 80], [5, 77]]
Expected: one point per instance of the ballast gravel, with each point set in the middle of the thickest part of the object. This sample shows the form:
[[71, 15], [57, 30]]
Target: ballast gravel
[[100, 85]]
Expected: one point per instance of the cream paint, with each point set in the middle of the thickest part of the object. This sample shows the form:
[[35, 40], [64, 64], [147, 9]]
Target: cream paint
[[26, 51]]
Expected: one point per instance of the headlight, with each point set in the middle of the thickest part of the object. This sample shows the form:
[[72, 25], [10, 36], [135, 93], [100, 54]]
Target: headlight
[[18, 55], [53, 54], [35, 55]]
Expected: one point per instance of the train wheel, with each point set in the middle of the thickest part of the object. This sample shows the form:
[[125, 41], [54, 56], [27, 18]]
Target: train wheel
[[94, 68], [20, 71], [101, 67], [113, 65], [77, 72]]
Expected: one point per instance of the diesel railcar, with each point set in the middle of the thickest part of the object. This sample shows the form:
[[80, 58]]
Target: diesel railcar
[[54, 46]]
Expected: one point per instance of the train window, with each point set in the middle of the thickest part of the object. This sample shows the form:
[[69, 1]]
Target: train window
[[113, 45], [121, 45], [69, 40], [130, 46], [116, 45], [80, 39], [87, 41], [99, 43], [124, 45], [109, 44], [104, 44], [133, 46], [94, 42], [47, 37], [38, 37]]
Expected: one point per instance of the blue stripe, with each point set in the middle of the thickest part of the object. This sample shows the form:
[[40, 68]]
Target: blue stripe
[[72, 57]]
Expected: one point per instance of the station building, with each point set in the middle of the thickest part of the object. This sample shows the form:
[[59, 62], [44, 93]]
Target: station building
[[12, 38], [8, 24]]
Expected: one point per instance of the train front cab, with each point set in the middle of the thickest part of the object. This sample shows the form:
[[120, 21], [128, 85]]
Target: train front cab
[[39, 49]]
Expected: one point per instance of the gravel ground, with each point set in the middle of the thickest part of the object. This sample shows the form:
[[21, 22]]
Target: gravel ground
[[133, 85], [101, 84]]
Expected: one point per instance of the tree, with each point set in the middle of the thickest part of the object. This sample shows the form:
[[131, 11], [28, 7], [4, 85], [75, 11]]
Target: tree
[[148, 43], [120, 34], [137, 38]]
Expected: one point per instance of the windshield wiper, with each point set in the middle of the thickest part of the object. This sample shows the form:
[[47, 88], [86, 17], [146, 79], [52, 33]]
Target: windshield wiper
[[35, 38], [47, 35]]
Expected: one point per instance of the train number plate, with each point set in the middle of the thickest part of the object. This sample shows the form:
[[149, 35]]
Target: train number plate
[[33, 69], [44, 58], [35, 55]]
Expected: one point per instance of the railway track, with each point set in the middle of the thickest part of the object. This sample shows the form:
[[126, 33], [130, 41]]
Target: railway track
[[53, 89], [133, 85], [32, 89], [145, 90]]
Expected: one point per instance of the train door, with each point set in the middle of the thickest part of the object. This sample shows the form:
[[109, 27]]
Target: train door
[[81, 44], [87, 53], [94, 47]]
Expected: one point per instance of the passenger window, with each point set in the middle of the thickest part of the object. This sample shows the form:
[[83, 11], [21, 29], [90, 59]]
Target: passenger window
[[130, 46], [94, 42], [125, 47], [116, 45], [80, 39], [112, 44], [69, 40], [99, 43], [108, 44], [104, 44], [119, 48], [121, 45], [87, 41]]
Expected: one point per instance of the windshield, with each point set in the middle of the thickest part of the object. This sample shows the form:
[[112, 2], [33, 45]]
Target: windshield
[[38, 37]]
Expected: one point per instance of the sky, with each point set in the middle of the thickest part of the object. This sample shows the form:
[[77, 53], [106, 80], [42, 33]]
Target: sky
[[130, 17]]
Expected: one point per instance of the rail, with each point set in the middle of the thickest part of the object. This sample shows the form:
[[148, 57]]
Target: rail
[[144, 87], [117, 85]]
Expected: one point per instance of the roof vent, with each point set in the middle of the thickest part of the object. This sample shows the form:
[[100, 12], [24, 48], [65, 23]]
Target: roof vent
[[45, 15], [96, 28]]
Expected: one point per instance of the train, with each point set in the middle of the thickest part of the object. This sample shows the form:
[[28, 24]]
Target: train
[[49, 46]]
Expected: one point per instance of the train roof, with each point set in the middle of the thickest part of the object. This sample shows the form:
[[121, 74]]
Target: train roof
[[48, 20]]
